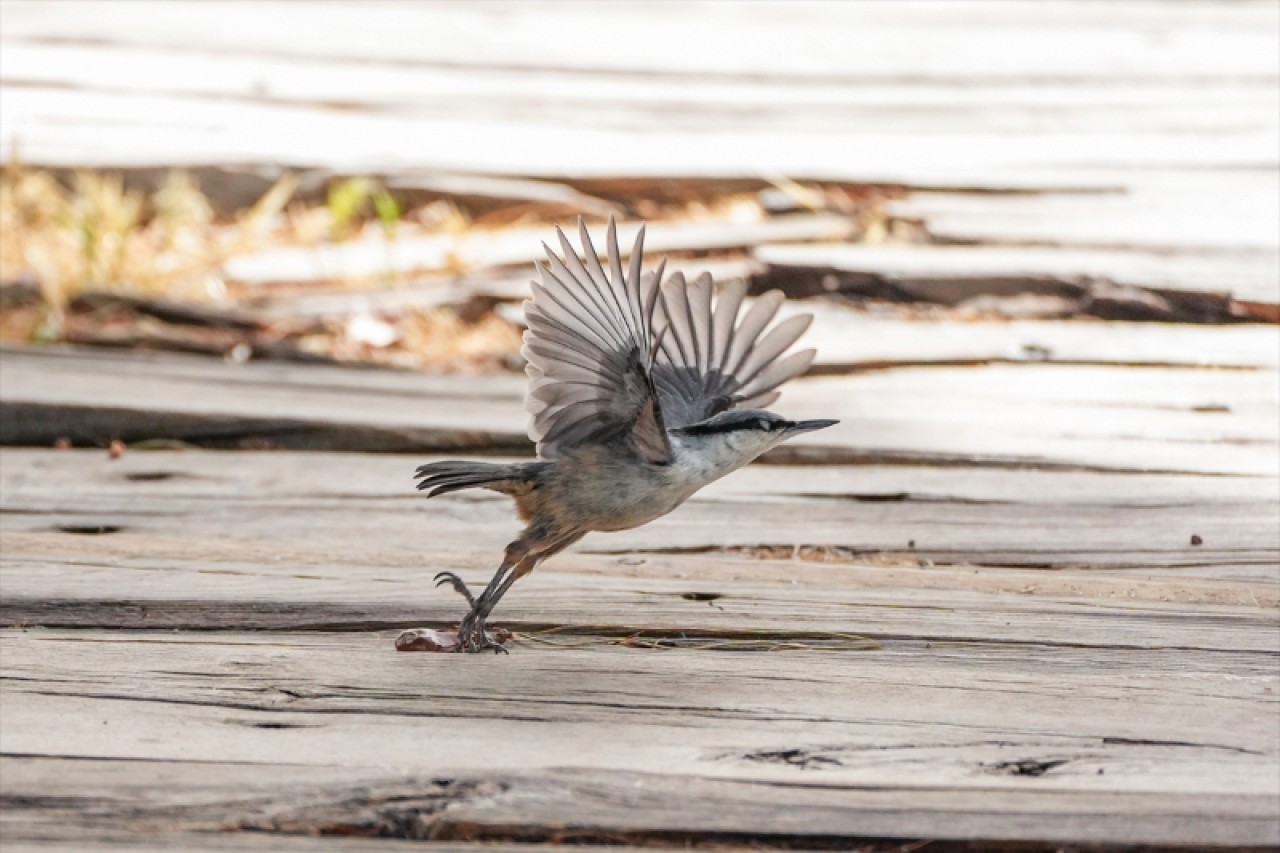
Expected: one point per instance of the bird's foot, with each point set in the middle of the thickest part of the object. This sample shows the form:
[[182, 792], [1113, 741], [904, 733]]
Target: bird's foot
[[472, 636]]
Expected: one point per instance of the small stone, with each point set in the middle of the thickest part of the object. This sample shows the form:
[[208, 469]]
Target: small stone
[[1196, 540]]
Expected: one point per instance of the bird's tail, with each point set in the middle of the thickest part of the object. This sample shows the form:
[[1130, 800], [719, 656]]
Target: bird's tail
[[451, 476]]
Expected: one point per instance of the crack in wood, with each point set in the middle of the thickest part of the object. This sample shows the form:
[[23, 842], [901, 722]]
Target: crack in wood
[[1130, 741], [1025, 766], [815, 757], [479, 810], [915, 556], [805, 759], [89, 529], [41, 424], [157, 476]]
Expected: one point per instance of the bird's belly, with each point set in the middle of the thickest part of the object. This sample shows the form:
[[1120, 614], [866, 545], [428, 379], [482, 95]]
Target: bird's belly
[[626, 507], [601, 493], [621, 499]]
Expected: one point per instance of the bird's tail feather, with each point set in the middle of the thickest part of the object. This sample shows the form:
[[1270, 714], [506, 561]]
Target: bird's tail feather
[[452, 476]]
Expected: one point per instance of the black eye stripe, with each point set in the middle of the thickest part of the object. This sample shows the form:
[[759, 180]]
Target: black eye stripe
[[758, 424]]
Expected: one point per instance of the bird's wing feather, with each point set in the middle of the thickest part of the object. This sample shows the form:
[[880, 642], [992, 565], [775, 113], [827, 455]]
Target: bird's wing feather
[[588, 350], [709, 362], [626, 355]]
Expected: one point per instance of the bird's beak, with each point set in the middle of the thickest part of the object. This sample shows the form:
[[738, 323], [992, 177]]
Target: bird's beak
[[808, 426]]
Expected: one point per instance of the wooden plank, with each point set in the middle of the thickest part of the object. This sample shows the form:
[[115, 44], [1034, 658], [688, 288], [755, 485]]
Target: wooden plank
[[1204, 211], [191, 403], [889, 84], [859, 527], [481, 249], [1241, 32], [754, 609], [853, 340], [315, 300], [306, 708], [850, 340], [960, 525], [27, 833], [1053, 416], [953, 273], [305, 138], [54, 836], [56, 58], [608, 808], [163, 522]]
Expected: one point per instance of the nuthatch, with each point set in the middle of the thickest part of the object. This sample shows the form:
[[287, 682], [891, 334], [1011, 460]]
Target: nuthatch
[[641, 391]]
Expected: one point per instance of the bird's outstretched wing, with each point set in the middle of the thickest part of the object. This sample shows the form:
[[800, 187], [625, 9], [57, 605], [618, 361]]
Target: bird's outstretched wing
[[708, 361], [618, 356], [589, 350]]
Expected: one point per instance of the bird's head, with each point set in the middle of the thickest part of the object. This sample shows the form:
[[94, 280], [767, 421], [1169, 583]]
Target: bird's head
[[734, 438]]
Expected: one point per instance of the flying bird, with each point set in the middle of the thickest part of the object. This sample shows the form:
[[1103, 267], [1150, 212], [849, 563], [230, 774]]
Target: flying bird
[[641, 391]]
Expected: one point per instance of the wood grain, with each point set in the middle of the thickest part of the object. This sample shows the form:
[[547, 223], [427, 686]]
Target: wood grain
[[1016, 415], [1057, 125], [224, 660], [917, 94], [717, 748]]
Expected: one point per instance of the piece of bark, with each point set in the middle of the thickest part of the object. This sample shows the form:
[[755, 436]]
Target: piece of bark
[[432, 640]]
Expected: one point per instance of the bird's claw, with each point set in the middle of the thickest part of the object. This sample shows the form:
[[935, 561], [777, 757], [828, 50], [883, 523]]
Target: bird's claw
[[459, 586]]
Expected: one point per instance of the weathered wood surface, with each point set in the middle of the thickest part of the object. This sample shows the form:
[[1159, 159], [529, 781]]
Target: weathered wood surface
[[1137, 126], [1121, 697], [516, 247], [58, 837], [951, 274], [1023, 414], [886, 517], [199, 641], [917, 93]]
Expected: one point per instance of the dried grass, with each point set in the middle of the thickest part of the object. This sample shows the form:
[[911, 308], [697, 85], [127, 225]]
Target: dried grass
[[92, 232], [95, 234]]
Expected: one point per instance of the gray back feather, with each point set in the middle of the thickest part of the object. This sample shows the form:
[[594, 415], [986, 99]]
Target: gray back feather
[[624, 355]]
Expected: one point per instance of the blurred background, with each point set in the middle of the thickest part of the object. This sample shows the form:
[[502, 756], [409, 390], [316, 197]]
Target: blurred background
[[369, 182]]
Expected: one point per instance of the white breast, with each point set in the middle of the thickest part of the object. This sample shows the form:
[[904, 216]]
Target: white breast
[[699, 460]]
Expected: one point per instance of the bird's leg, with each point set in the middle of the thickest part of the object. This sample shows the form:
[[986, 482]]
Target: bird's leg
[[520, 559], [471, 633], [472, 636]]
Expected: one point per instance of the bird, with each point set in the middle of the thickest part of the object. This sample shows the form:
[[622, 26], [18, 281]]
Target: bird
[[641, 391]]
